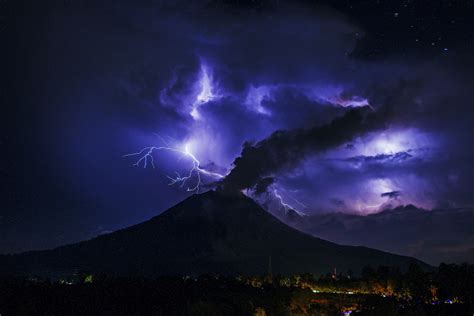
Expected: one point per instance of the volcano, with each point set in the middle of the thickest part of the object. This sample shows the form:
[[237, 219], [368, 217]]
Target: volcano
[[213, 232]]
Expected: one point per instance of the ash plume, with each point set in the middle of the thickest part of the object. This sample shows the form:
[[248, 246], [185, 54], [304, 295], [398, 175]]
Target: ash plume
[[284, 149]]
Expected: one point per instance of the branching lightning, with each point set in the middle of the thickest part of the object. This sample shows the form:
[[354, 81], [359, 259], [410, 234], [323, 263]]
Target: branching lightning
[[145, 158], [287, 206]]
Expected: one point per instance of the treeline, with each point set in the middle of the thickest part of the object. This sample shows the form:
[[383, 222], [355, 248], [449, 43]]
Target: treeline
[[448, 283], [448, 290], [99, 295]]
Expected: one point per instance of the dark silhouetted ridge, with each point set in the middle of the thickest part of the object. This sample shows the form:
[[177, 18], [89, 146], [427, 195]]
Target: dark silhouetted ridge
[[211, 232]]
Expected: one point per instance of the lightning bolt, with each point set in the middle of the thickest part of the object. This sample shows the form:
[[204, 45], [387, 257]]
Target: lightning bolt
[[145, 158], [287, 206]]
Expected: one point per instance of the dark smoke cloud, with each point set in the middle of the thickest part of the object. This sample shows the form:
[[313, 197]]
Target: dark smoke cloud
[[262, 185], [381, 158], [391, 194], [284, 149]]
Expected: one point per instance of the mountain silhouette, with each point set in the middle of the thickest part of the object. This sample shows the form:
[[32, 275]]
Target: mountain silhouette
[[434, 236], [213, 232]]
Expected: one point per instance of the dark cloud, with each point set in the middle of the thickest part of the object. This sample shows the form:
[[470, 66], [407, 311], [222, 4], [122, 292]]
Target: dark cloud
[[285, 149], [391, 194], [433, 236], [381, 158], [262, 185]]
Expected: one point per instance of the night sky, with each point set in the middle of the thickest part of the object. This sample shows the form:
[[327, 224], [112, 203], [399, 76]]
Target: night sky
[[356, 107]]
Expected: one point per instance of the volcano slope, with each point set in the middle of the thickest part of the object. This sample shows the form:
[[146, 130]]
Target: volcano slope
[[213, 232]]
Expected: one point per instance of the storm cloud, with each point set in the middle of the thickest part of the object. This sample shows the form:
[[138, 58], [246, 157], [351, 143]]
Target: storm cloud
[[284, 149], [270, 96]]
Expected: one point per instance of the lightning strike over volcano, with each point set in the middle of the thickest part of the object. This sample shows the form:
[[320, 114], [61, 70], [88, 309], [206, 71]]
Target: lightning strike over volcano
[[145, 157]]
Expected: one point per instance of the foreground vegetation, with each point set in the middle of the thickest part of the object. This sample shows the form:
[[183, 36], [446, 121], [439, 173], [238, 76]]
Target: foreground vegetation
[[382, 291]]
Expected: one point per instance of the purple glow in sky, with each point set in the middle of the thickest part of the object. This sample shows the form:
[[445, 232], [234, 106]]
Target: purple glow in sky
[[207, 91], [393, 148], [201, 131], [146, 157], [221, 86]]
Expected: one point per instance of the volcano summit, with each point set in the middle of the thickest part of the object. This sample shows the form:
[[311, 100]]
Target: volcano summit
[[213, 232]]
